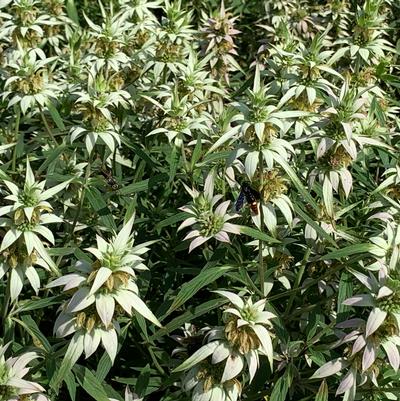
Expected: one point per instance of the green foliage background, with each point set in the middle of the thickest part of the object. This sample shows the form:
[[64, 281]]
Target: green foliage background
[[129, 106]]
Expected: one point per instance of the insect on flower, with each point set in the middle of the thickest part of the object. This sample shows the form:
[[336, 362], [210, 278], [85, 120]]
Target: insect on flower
[[250, 195]]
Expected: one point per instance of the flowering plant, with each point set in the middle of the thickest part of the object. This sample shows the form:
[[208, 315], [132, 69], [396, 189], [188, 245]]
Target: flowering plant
[[199, 200]]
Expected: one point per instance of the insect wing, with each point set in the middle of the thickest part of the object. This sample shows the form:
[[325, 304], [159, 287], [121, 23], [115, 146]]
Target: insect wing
[[240, 201], [256, 195], [251, 194]]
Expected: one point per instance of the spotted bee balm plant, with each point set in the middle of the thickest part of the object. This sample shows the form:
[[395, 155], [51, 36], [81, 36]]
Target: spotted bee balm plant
[[199, 200]]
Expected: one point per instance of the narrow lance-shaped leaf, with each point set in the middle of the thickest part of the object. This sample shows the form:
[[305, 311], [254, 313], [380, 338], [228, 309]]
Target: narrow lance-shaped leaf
[[375, 319], [201, 354], [323, 392], [330, 368], [74, 351], [188, 290], [142, 308]]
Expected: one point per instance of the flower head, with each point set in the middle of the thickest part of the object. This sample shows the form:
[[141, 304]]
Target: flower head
[[21, 246], [204, 382], [206, 222], [243, 338], [12, 371], [103, 290]]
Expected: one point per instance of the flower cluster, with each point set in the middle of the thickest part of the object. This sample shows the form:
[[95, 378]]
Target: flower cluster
[[102, 290], [215, 367], [256, 143], [206, 222], [12, 371]]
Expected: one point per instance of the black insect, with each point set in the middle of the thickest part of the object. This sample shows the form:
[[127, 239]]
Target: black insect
[[110, 180], [250, 195]]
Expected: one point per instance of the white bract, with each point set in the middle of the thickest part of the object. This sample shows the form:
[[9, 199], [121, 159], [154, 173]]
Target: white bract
[[22, 246], [239, 343], [100, 288], [27, 81], [12, 372], [206, 222]]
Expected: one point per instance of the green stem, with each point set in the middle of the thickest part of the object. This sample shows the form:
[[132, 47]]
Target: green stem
[[261, 269], [46, 124], [164, 76], [298, 279], [184, 158], [82, 197], [6, 303], [249, 282], [156, 364], [17, 121]]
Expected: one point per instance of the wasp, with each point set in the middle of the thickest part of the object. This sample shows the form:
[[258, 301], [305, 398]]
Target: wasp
[[111, 181], [250, 195]]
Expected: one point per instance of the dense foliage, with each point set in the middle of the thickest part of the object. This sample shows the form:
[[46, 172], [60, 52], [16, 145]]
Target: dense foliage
[[200, 201]]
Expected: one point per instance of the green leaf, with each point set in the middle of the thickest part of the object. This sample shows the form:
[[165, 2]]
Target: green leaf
[[143, 381], [213, 157], [174, 159], [139, 152], [96, 200], [257, 234], [55, 115], [103, 367], [188, 316], [72, 11], [144, 185], [196, 153], [71, 385], [142, 325], [345, 291], [112, 393], [41, 303], [32, 328], [349, 251], [51, 156], [296, 182], [169, 221], [201, 354], [376, 108], [280, 389], [61, 251], [322, 233], [74, 351], [188, 290], [91, 384], [323, 393]]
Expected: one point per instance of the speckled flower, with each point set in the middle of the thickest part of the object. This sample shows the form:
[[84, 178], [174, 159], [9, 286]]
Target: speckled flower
[[12, 385], [21, 246], [102, 290], [204, 382], [206, 222], [243, 338]]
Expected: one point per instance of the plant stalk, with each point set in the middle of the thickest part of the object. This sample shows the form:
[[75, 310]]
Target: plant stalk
[[82, 197], [46, 124], [16, 132], [7, 297], [261, 269]]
